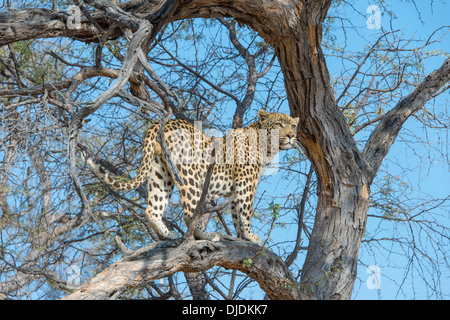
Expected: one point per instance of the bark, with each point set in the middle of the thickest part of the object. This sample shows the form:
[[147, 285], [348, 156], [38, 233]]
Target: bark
[[165, 258]]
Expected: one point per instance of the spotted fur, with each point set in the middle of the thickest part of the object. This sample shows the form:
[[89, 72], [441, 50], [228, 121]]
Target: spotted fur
[[235, 172]]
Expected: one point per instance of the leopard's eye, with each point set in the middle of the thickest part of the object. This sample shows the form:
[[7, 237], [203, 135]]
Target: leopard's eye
[[293, 126], [278, 124]]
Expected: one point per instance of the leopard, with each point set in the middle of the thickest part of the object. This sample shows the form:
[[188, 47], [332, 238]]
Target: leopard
[[240, 159]]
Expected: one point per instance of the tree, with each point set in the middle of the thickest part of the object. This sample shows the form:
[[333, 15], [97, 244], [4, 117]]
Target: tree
[[49, 97]]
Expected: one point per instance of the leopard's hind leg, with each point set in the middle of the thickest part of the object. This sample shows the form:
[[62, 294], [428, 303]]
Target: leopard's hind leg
[[160, 188]]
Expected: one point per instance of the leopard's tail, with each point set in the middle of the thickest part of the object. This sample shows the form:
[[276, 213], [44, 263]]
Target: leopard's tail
[[141, 177]]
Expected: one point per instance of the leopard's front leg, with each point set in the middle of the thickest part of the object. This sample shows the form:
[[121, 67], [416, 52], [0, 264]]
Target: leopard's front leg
[[242, 209]]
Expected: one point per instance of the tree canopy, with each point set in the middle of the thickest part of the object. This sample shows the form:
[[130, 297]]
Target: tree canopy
[[373, 106]]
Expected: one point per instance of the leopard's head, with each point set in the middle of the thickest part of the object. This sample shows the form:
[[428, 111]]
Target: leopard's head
[[286, 126]]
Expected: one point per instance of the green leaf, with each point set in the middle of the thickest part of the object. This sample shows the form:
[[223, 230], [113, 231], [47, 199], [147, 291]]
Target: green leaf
[[247, 263]]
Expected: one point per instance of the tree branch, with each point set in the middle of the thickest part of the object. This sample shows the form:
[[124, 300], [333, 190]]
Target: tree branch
[[78, 78], [164, 258], [42, 23], [384, 135]]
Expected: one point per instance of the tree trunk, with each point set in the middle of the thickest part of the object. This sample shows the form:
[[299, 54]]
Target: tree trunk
[[330, 267]]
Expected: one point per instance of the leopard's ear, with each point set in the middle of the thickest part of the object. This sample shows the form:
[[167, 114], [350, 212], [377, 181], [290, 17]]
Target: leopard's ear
[[263, 114], [297, 120]]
